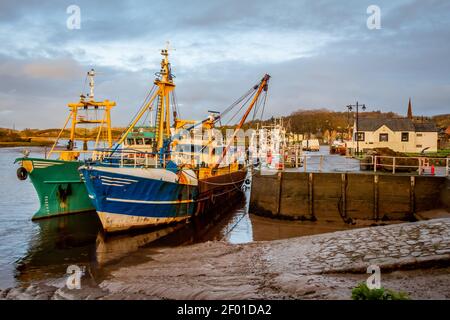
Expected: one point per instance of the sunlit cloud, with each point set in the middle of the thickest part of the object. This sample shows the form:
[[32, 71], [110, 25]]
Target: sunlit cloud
[[320, 54]]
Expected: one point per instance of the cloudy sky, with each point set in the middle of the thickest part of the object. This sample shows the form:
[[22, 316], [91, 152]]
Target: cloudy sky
[[320, 54]]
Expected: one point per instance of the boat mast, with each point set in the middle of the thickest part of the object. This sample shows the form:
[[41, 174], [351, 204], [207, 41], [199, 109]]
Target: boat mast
[[84, 104], [91, 75], [166, 85]]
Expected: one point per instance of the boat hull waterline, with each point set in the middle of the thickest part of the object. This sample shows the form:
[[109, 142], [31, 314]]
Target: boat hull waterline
[[129, 198]]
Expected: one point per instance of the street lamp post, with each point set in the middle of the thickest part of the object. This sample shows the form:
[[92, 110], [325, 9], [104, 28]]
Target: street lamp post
[[350, 108]]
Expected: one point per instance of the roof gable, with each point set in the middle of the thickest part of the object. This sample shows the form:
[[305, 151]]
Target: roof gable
[[394, 124]]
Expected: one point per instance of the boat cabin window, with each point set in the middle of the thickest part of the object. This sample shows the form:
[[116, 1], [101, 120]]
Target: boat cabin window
[[148, 141], [130, 141], [140, 141], [192, 148]]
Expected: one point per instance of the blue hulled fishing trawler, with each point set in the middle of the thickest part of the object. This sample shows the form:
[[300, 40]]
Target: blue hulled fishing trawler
[[161, 174]]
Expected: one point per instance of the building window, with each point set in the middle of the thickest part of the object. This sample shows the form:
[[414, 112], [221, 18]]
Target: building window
[[384, 137], [405, 136], [419, 134], [359, 136], [418, 146]]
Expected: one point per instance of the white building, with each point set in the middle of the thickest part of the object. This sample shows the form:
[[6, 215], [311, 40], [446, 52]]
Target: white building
[[400, 134]]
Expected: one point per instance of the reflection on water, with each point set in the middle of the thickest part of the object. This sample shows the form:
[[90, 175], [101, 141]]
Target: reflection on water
[[59, 242], [31, 251], [78, 239]]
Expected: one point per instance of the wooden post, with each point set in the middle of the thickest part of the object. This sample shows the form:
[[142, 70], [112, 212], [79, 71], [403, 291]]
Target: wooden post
[[393, 165], [311, 194], [446, 166], [412, 196], [375, 198], [344, 194], [279, 195]]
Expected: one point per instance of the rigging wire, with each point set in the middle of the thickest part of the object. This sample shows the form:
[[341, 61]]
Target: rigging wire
[[175, 104], [239, 100], [84, 85], [264, 105], [147, 98], [243, 105]]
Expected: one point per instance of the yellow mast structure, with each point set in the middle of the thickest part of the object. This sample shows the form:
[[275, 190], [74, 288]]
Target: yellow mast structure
[[74, 116], [165, 85]]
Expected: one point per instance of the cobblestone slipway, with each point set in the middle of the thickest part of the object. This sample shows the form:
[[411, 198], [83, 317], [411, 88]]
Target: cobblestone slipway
[[413, 257]]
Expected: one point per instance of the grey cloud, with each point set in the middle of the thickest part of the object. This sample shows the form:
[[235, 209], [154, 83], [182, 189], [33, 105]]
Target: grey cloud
[[407, 57]]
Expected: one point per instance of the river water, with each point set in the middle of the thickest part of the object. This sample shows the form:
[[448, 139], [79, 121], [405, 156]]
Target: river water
[[32, 251]]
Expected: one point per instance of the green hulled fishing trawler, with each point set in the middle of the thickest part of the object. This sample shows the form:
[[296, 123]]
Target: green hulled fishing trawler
[[55, 177]]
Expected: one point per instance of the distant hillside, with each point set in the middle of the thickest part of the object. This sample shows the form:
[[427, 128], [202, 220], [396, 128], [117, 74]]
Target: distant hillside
[[315, 121], [46, 137], [7, 135], [318, 121], [442, 120], [80, 133]]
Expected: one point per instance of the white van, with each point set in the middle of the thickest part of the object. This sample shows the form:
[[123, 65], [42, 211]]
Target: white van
[[311, 145]]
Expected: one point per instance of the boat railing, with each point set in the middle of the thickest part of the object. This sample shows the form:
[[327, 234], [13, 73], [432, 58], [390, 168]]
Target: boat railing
[[141, 159], [130, 158]]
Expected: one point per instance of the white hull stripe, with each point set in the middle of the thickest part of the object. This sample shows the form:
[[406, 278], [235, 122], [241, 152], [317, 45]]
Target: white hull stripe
[[113, 184], [159, 174], [42, 166], [46, 162], [149, 202], [119, 179], [115, 181]]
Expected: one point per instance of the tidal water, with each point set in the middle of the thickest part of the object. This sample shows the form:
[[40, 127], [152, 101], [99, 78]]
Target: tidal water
[[33, 251]]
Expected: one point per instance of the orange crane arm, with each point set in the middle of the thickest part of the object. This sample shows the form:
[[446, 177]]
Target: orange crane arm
[[262, 85]]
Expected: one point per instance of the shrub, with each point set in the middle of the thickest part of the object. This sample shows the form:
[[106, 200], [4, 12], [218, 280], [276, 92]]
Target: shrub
[[362, 292]]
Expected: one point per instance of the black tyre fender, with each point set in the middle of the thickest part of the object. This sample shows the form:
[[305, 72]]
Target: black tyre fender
[[22, 173]]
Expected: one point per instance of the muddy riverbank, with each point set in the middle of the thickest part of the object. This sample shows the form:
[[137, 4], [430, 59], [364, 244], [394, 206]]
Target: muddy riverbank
[[414, 258]]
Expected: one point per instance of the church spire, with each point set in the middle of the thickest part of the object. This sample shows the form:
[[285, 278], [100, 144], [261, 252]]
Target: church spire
[[410, 115]]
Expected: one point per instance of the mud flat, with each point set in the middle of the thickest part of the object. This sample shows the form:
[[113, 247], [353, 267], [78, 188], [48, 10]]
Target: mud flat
[[413, 257]]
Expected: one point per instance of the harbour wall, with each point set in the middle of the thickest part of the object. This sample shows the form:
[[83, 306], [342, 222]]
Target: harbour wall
[[346, 197]]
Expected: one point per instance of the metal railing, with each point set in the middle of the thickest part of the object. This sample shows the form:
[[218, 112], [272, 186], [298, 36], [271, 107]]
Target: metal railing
[[129, 158], [138, 158], [425, 165], [392, 164]]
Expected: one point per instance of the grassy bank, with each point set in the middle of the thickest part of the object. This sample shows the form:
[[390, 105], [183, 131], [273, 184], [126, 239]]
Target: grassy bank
[[12, 138], [439, 154], [42, 143]]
